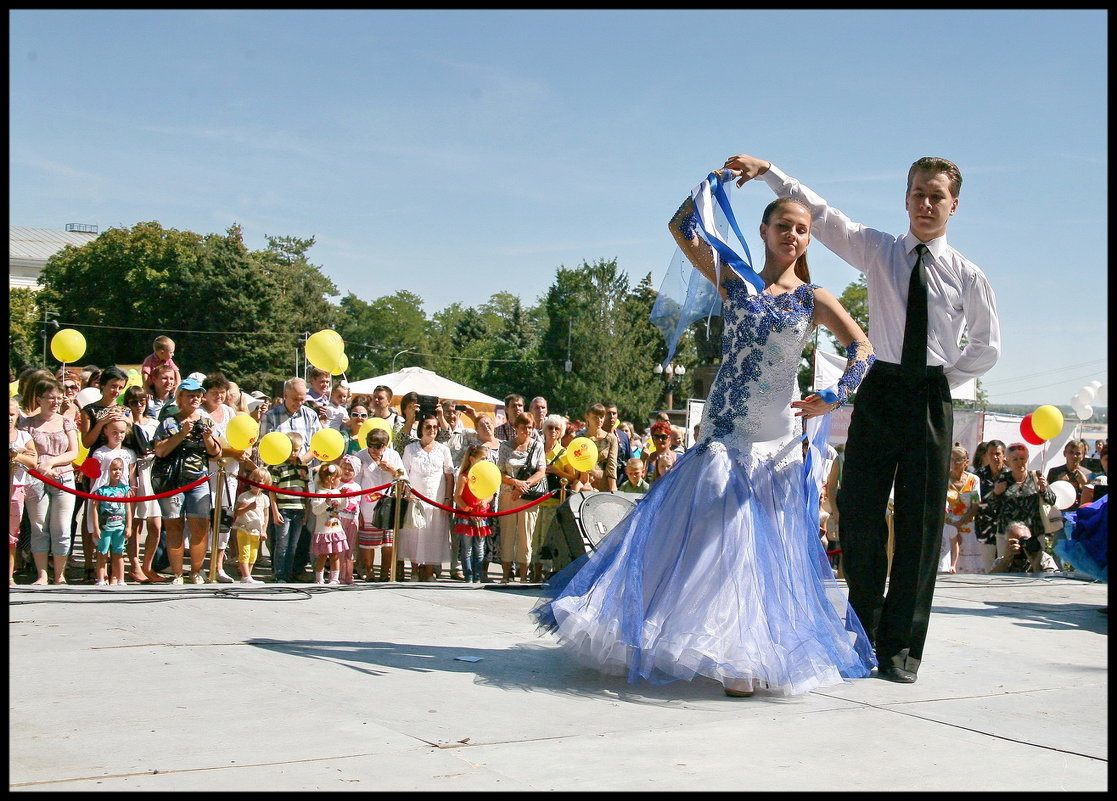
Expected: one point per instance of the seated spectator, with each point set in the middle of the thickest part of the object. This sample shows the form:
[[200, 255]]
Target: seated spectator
[[1072, 470], [1018, 556], [634, 472]]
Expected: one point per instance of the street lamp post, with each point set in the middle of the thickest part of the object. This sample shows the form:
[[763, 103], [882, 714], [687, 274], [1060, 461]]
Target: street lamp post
[[671, 375], [407, 350]]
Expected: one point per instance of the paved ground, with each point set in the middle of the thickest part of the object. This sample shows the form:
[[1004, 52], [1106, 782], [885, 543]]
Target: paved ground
[[447, 687]]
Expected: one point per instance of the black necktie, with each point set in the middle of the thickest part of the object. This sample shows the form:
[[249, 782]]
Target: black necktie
[[914, 356]]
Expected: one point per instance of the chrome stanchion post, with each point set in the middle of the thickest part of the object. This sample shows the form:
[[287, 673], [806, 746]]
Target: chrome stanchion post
[[397, 492], [217, 500]]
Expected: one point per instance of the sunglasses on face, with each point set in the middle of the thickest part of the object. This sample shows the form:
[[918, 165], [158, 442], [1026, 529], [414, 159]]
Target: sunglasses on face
[[377, 447], [71, 387], [659, 436], [359, 414]]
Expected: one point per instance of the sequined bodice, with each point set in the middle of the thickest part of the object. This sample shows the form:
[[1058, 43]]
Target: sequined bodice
[[762, 343]]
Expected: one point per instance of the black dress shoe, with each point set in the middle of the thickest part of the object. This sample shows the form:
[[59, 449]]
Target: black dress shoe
[[898, 675]]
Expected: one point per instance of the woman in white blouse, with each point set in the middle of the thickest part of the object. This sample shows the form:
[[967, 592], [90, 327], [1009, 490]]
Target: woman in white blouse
[[424, 539]]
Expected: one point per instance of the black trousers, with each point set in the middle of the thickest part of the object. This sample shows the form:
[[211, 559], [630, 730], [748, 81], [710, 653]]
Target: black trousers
[[901, 431]]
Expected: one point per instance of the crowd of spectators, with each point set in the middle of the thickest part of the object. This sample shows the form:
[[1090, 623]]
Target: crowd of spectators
[[994, 518], [170, 429]]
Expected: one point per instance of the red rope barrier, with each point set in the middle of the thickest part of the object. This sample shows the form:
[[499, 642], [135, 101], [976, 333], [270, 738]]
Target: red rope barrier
[[466, 513], [126, 499], [317, 494]]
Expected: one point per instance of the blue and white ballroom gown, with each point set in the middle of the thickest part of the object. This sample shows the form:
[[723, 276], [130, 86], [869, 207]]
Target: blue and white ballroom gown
[[719, 570]]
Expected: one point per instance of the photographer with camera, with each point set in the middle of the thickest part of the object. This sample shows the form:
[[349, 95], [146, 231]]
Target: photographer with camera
[[1017, 557], [415, 407]]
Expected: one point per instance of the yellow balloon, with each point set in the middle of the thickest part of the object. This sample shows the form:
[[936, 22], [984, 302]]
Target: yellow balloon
[[1047, 422], [341, 366], [82, 453], [483, 480], [368, 425], [13, 388], [581, 453], [327, 444], [242, 431], [324, 349], [275, 447], [67, 345]]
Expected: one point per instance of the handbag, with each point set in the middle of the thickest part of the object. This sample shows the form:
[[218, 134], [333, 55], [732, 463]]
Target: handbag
[[166, 472], [1051, 516], [384, 513], [525, 472]]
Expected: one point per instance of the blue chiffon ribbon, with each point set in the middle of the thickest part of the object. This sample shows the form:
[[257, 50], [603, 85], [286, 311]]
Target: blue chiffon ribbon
[[686, 296]]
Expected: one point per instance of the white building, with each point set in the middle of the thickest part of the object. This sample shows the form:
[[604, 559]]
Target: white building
[[29, 249]]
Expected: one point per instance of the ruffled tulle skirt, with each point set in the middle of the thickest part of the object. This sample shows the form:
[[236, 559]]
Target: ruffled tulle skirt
[[719, 571]]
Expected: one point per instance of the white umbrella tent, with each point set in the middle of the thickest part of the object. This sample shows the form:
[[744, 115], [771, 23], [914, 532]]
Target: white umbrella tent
[[428, 382]]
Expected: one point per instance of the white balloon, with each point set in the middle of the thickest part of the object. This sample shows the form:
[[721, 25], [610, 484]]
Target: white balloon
[[1079, 405], [1064, 493], [87, 396], [1102, 395], [1095, 384], [1085, 413], [1086, 393]]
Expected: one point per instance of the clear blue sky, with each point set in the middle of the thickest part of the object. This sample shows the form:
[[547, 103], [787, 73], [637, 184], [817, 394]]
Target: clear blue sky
[[458, 153]]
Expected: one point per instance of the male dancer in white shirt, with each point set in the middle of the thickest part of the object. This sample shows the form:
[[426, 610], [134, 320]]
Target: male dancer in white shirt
[[902, 424]]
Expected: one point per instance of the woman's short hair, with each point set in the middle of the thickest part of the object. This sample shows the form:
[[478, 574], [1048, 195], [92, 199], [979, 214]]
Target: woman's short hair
[[523, 419], [113, 373], [555, 421], [661, 427], [377, 436], [1017, 446], [215, 381]]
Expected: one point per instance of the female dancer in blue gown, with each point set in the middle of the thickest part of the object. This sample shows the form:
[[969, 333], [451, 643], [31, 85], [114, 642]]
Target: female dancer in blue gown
[[719, 570]]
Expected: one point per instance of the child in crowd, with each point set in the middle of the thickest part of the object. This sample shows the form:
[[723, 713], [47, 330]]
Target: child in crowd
[[634, 470], [111, 520], [163, 353], [21, 455], [254, 508], [474, 531], [114, 448], [329, 538], [349, 466], [290, 510]]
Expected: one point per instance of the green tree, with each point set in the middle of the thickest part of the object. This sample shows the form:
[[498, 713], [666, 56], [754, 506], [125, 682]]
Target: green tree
[[376, 331], [225, 307], [612, 344], [25, 329]]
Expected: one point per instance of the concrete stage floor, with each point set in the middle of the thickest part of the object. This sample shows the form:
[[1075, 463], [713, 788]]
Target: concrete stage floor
[[445, 686]]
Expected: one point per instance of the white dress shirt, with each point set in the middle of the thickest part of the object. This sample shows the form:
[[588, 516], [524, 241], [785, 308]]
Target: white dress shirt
[[958, 293]]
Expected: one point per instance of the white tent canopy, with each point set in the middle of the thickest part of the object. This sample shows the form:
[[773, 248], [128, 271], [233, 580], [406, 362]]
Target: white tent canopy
[[425, 382]]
